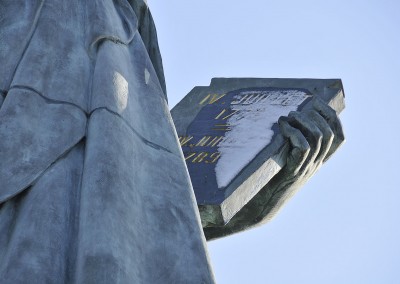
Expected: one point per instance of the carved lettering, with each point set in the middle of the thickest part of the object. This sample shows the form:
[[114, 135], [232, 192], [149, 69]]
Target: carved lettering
[[250, 99], [220, 115], [241, 100], [221, 127], [203, 141], [200, 157], [211, 98], [215, 141], [183, 140], [189, 155], [214, 158]]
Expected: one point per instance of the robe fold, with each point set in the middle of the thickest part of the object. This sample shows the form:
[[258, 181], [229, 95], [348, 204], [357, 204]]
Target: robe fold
[[93, 184]]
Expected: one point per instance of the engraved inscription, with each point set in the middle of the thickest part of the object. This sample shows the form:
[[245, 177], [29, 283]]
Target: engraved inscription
[[231, 128], [212, 98], [202, 157]]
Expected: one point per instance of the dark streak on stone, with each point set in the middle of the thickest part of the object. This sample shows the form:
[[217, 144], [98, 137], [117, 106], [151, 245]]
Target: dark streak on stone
[[98, 41], [48, 100], [144, 140]]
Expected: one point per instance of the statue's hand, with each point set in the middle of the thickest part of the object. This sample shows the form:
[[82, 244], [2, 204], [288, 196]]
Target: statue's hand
[[314, 135]]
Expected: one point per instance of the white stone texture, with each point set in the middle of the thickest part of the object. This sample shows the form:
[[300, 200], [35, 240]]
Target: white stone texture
[[251, 128]]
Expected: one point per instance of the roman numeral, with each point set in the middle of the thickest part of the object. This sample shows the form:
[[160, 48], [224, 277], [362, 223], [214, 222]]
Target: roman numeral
[[224, 115], [183, 140], [211, 98]]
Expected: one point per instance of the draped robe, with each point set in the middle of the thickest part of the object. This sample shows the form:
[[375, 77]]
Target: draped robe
[[93, 185]]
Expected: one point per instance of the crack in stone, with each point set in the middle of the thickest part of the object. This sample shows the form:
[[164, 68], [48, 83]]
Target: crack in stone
[[94, 46], [57, 102], [144, 140], [48, 100]]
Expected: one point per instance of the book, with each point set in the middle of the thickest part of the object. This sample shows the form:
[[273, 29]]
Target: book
[[230, 138]]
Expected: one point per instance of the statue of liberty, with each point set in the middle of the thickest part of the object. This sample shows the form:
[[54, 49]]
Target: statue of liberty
[[93, 184]]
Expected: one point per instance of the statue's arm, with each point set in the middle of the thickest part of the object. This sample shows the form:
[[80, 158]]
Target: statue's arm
[[314, 135]]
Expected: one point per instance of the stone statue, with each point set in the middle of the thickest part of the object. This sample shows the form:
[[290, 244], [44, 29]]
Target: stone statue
[[93, 185]]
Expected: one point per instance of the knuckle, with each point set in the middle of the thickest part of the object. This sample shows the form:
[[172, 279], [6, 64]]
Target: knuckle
[[329, 135], [317, 134], [305, 149], [325, 110], [296, 159], [293, 114], [330, 112]]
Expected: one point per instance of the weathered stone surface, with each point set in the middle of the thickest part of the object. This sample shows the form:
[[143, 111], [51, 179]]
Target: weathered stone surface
[[39, 226], [136, 193], [125, 82], [93, 185], [34, 133], [55, 54], [231, 140], [15, 35]]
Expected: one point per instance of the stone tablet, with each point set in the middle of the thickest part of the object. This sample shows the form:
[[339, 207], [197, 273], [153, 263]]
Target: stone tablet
[[230, 137]]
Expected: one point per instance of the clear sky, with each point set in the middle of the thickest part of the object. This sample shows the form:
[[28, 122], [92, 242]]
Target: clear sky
[[343, 226]]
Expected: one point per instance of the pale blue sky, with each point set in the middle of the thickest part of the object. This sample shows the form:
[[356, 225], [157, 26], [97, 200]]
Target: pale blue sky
[[343, 226]]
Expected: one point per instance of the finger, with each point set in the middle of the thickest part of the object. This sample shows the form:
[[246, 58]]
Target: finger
[[332, 119], [299, 146], [311, 133], [327, 134]]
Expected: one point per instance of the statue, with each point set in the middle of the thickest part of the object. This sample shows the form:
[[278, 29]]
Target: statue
[[93, 185]]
